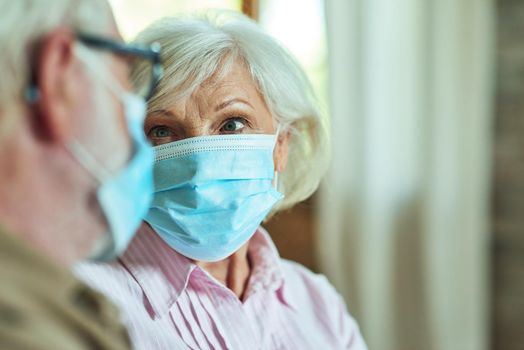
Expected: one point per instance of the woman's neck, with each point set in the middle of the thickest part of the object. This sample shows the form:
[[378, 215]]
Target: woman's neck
[[233, 272]]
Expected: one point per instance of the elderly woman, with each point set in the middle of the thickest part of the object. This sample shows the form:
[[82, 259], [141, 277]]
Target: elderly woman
[[238, 138]]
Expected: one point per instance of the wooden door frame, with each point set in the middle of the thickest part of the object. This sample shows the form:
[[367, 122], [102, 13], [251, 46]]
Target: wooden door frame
[[251, 8]]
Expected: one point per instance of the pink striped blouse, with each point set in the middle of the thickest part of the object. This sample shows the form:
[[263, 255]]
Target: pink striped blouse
[[168, 302]]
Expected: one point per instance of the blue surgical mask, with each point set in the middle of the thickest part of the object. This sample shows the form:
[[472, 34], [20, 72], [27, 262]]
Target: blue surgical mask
[[212, 193], [125, 196]]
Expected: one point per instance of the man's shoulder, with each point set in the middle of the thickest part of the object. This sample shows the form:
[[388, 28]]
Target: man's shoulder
[[43, 306], [28, 320]]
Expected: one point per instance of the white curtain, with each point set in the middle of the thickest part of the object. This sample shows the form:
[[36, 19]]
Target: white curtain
[[404, 212]]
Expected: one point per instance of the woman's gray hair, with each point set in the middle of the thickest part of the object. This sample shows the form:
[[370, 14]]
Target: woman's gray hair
[[197, 47]]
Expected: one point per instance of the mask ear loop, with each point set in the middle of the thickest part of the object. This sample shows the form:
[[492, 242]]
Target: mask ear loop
[[84, 157], [84, 55], [275, 175], [88, 161], [79, 152]]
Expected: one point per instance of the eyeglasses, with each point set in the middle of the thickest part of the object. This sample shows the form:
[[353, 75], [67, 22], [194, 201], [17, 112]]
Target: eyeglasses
[[146, 61]]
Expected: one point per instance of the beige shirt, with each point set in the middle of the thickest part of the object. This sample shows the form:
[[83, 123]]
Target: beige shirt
[[44, 307]]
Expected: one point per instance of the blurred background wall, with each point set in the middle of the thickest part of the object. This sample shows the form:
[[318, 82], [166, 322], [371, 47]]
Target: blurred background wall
[[404, 216], [419, 223]]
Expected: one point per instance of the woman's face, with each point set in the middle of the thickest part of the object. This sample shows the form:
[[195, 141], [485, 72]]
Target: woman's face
[[231, 105]]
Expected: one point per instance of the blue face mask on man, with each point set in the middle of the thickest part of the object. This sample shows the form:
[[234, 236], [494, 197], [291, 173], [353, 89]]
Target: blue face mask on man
[[124, 197], [212, 193]]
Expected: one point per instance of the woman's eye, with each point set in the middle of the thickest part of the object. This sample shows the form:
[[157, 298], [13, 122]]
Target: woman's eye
[[233, 125], [160, 132]]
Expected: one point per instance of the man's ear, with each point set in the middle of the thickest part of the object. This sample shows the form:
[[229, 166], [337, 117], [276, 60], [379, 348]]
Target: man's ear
[[280, 155], [54, 69]]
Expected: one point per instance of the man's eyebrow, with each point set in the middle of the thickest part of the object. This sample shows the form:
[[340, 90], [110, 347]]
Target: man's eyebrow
[[232, 101]]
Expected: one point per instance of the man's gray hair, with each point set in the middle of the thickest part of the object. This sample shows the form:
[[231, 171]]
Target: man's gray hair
[[197, 47], [23, 23]]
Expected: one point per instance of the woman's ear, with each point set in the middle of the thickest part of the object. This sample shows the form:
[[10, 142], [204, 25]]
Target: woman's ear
[[281, 152]]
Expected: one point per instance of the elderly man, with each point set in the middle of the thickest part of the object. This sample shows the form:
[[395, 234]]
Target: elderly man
[[75, 169]]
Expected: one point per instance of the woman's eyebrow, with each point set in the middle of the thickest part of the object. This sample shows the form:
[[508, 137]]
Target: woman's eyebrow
[[230, 102], [160, 112]]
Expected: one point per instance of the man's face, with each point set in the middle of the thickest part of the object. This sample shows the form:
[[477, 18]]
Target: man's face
[[96, 120], [102, 127]]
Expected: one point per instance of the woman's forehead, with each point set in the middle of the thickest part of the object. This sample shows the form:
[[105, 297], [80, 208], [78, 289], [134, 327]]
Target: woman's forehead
[[233, 91], [237, 83]]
